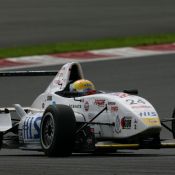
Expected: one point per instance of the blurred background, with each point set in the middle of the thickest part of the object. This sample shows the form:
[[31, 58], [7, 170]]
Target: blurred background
[[26, 22]]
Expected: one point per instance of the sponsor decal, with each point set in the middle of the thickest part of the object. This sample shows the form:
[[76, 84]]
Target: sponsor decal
[[100, 102], [117, 124], [49, 98], [126, 122], [31, 128], [58, 82], [114, 108], [60, 74], [86, 106], [135, 124], [111, 103], [75, 106], [65, 69], [135, 101], [151, 121], [148, 114], [122, 95], [141, 106], [54, 103]]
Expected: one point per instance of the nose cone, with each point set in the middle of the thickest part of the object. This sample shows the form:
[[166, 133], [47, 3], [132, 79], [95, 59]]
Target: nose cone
[[142, 115]]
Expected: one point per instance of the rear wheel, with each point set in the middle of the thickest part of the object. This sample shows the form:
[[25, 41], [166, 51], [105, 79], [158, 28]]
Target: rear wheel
[[58, 130]]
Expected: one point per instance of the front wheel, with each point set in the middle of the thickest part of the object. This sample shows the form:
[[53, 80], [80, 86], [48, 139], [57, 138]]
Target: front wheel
[[58, 131]]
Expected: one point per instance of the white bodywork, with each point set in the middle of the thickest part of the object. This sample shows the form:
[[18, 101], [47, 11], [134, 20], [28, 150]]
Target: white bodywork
[[126, 115], [121, 115]]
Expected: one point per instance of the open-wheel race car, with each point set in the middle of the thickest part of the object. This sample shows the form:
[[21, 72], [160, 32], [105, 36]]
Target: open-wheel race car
[[63, 120]]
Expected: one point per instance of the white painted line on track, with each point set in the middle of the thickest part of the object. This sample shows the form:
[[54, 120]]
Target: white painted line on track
[[87, 56]]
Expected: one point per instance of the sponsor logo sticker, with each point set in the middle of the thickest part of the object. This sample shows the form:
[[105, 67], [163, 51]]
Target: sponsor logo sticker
[[75, 106], [148, 114], [122, 94], [100, 102], [117, 124], [126, 122], [49, 98], [111, 103], [114, 108], [86, 106], [151, 121]]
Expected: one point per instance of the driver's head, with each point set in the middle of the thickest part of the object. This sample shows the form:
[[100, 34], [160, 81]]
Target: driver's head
[[83, 86]]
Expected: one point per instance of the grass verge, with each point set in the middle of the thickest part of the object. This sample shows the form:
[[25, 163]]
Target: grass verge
[[86, 45]]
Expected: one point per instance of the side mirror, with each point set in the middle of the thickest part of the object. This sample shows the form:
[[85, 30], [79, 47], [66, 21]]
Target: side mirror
[[131, 91]]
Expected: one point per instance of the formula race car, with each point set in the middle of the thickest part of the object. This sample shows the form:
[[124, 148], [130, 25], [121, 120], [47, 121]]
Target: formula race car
[[62, 121]]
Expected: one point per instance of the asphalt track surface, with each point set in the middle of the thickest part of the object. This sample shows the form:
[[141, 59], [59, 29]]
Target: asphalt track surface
[[153, 76], [24, 22]]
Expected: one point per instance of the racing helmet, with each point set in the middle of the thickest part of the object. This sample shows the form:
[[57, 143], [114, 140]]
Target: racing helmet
[[83, 86]]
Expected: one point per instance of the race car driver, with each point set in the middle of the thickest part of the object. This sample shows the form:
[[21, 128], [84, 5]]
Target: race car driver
[[84, 87]]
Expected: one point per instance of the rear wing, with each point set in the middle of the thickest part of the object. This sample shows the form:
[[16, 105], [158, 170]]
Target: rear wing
[[68, 73], [27, 73]]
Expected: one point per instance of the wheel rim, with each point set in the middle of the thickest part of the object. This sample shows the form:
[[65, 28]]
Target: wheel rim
[[48, 130]]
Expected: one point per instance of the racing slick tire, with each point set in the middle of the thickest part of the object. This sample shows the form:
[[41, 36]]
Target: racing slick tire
[[58, 131], [173, 123]]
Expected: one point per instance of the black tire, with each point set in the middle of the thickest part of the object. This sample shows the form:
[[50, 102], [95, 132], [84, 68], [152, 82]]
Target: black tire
[[173, 123], [58, 131]]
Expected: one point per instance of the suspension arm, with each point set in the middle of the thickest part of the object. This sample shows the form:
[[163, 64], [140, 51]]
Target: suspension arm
[[90, 122]]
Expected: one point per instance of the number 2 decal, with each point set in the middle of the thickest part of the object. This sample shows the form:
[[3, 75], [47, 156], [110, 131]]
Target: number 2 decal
[[135, 101]]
